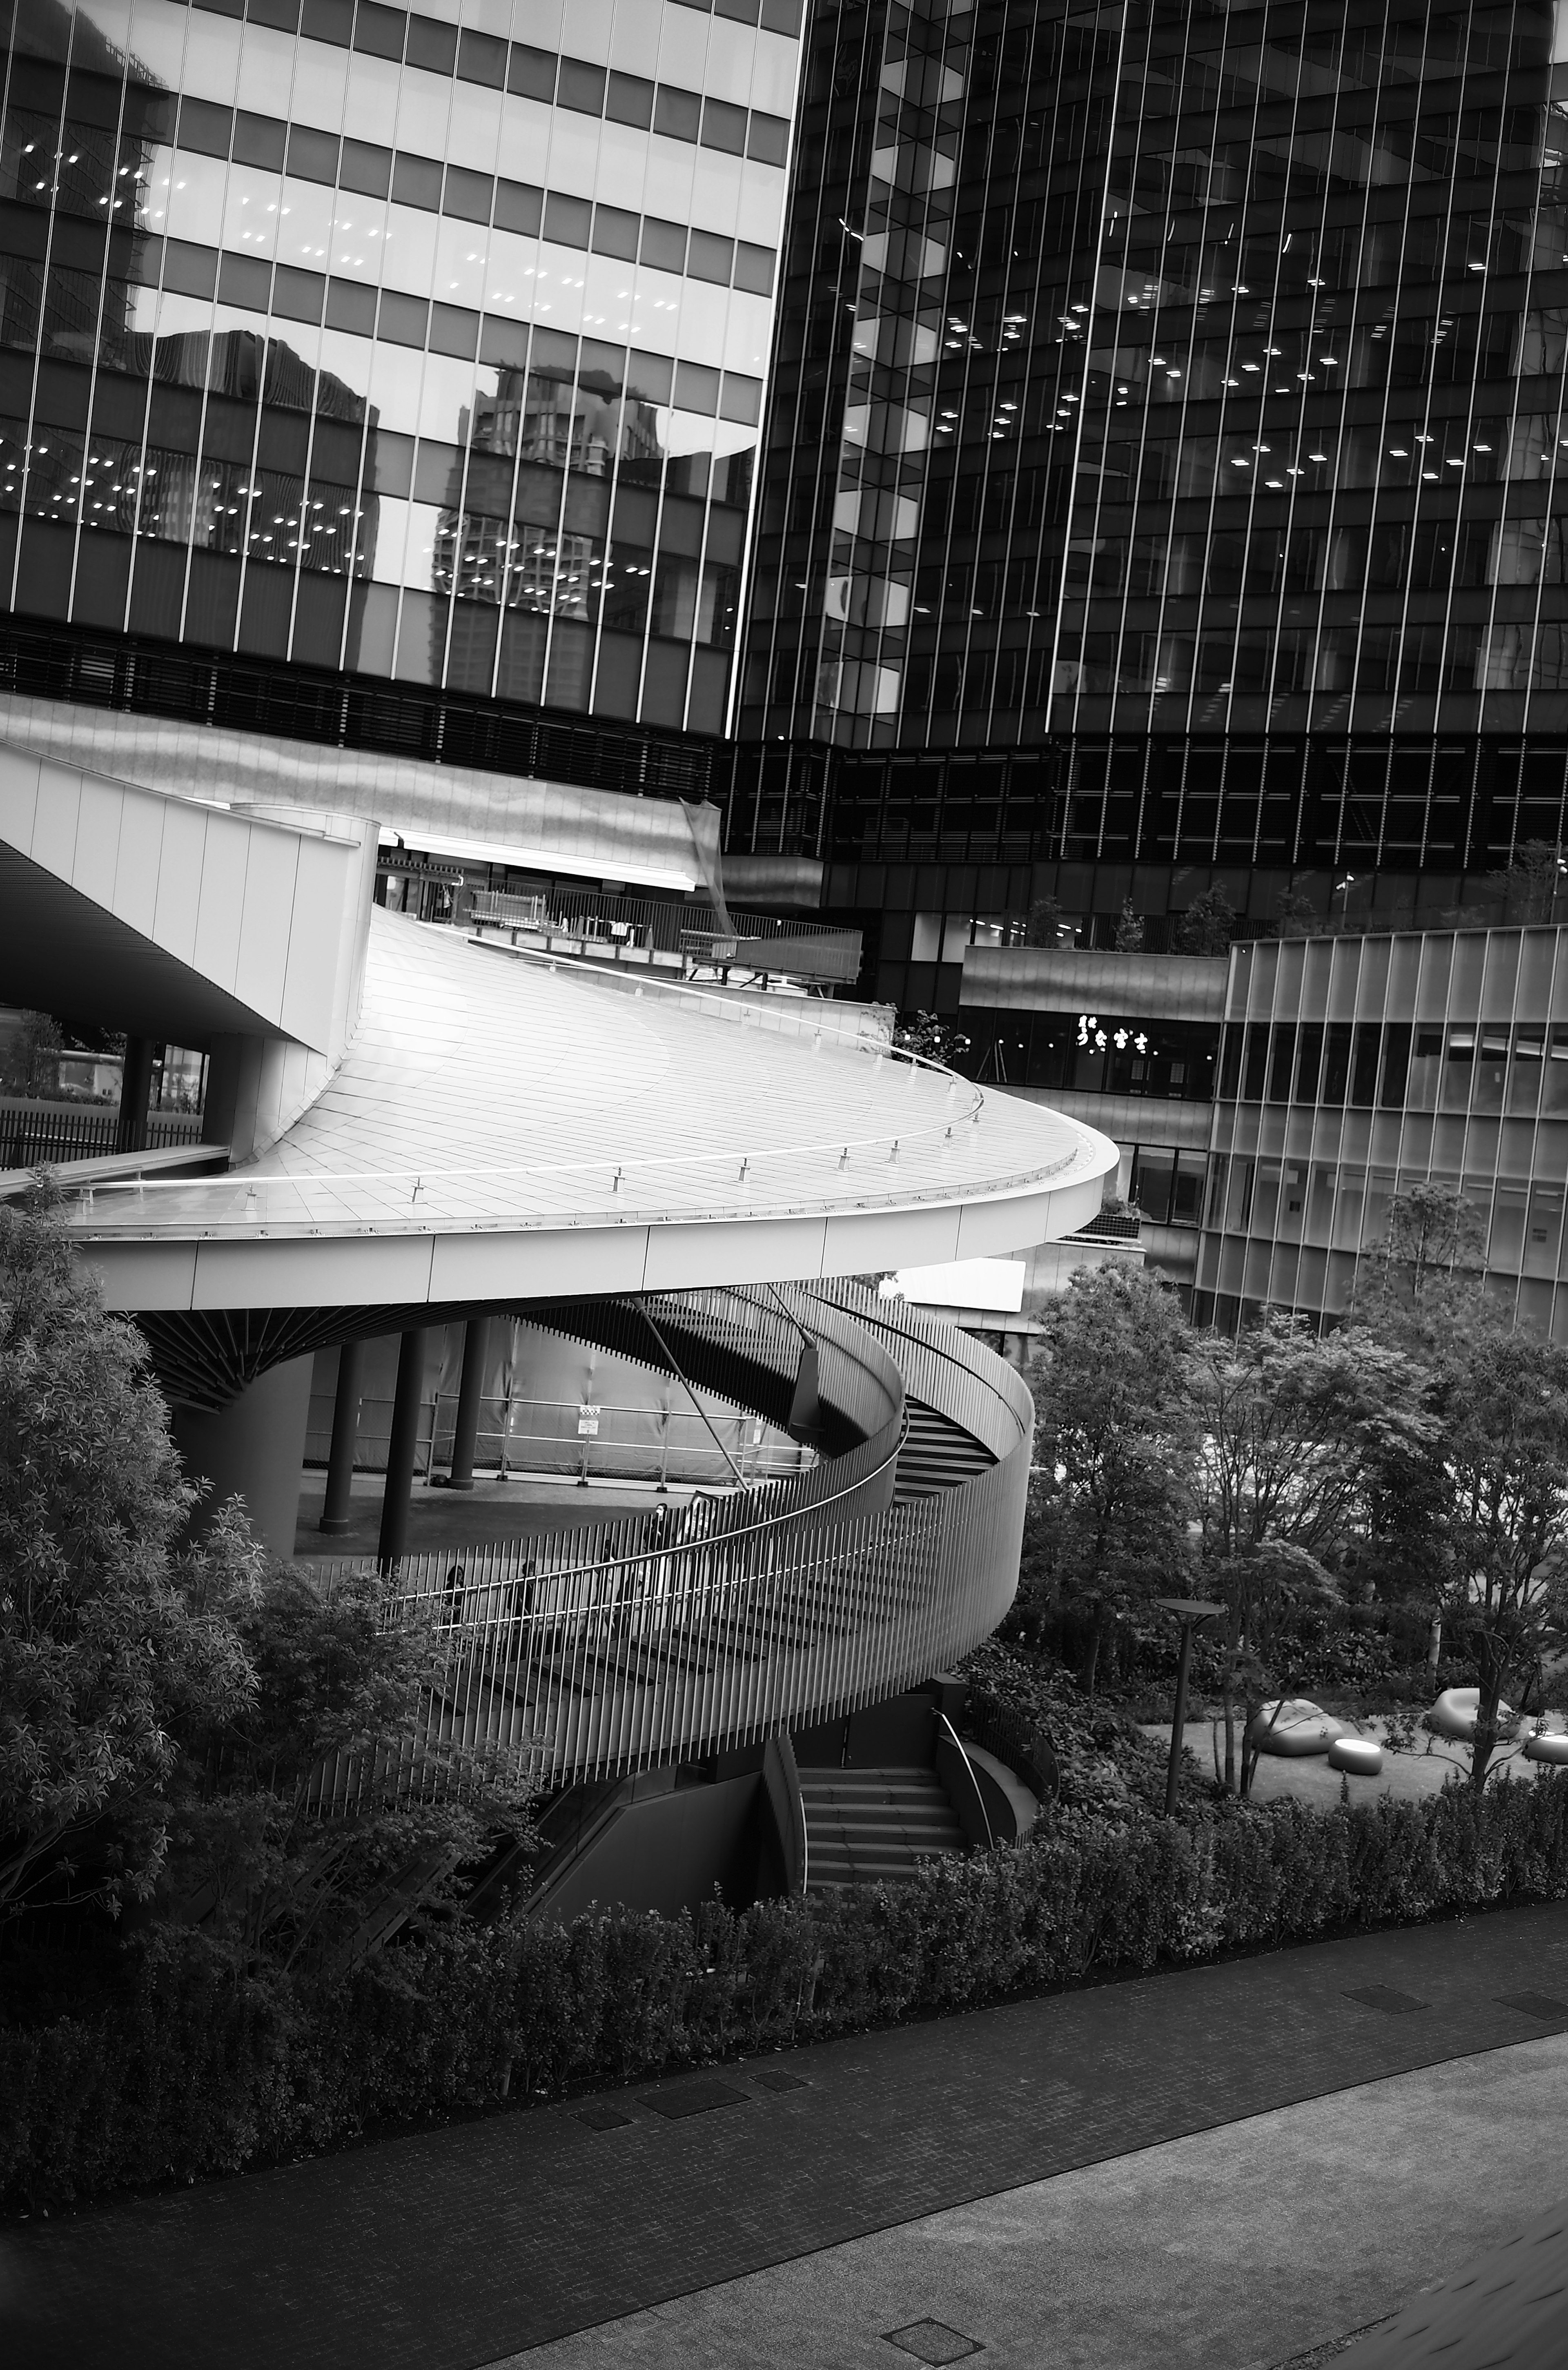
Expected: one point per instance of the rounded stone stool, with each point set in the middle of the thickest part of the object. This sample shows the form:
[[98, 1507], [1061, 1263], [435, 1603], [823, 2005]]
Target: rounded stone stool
[[1358, 1757]]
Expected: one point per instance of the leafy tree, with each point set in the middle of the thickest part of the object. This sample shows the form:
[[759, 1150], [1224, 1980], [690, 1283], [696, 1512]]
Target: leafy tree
[[33, 1035], [1433, 1233], [1294, 1433], [1208, 924], [1044, 923], [1129, 930], [937, 1039], [169, 1720], [1477, 1526], [1295, 917], [107, 1637], [335, 1718], [1113, 1441], [1530, 887], [1502, 1405]]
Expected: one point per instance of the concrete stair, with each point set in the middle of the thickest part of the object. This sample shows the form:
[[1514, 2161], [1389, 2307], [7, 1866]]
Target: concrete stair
[[871, 1827]]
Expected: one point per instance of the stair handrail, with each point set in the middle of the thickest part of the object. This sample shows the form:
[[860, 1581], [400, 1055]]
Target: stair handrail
[[949, 1735], [781, 1778]]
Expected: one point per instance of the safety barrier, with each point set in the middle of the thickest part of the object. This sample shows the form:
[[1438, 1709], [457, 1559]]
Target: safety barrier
[[653, 1638]]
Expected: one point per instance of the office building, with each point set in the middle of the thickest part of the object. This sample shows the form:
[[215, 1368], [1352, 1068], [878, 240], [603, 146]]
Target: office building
[[1160, 490], [385, 343]]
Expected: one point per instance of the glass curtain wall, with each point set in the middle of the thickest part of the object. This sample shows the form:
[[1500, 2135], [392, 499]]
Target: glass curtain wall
[[1190, 398], [382, 340]]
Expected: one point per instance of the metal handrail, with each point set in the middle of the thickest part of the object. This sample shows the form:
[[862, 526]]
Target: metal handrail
[[547, 909], [590, 1654]]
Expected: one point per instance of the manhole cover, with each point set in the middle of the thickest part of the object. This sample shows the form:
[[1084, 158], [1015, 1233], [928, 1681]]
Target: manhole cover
[[1536, 2004], [781, 2082], [1384, 1995], [932, 2341], [695, 2098], [602, 2117]]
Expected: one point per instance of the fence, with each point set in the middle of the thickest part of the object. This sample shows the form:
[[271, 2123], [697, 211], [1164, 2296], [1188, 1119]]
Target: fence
[[517, 1439], [620, 1645], [33, 1134], [682, 938]]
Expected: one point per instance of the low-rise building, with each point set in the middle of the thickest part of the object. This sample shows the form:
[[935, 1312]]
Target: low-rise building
[[1269, 1107]]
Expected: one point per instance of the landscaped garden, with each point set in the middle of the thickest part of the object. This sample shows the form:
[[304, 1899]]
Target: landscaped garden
[[185, 1982]]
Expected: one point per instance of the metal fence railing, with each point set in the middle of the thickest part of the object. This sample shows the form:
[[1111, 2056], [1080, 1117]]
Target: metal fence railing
[[33, 1134], [615, 1645], [519, 1439], [687, 938]]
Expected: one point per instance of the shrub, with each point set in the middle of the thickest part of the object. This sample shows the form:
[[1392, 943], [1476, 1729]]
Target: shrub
[[186, 2066]]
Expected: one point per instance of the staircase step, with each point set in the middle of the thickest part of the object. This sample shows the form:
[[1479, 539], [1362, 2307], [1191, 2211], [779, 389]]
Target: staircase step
[[869, 1827]]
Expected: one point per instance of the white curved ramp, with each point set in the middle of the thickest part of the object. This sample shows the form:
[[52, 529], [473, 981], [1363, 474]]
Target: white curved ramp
[[501, 1128]]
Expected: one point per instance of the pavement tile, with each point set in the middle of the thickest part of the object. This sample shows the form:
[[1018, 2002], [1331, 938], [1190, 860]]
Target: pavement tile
[[459, 2245]]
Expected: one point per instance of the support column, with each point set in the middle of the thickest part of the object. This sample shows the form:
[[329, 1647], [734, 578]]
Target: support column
[[135, 1086], [335, 1515], [475, 1345], [400, 1449], [253, 1449]]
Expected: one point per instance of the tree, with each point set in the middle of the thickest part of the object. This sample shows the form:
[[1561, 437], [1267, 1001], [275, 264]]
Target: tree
[[1129, 930], [935, 1040], [1044, 923], [107, 1637], [337, 1702], [1530, 887], [1432, 1234], [1295, 917], [1208, 924], [1478, 1520], [22, 1052], [1113, 1439], [168, 1716], [1294, 1432]]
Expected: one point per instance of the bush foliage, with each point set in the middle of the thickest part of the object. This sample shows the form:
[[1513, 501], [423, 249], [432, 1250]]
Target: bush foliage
[[191, 2065]]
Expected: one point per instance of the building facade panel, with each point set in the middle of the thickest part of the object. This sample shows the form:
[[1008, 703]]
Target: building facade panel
[[1354, 1068]]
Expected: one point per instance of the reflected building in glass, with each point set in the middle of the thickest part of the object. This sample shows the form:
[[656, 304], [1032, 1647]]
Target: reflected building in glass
[[421, 345], [1162, 486]]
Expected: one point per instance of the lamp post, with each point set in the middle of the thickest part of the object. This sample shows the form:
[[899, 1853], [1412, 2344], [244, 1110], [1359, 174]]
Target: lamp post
[[1189, 1611]]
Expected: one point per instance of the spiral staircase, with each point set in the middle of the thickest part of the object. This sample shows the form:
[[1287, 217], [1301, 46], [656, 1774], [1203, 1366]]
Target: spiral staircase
[[610, 1660]]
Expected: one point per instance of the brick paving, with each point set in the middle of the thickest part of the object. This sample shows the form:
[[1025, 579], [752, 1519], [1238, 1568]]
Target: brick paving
[[458, 2246]]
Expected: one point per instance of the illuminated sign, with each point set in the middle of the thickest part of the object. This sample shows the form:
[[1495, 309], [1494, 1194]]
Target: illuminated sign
[[1090, 1032]]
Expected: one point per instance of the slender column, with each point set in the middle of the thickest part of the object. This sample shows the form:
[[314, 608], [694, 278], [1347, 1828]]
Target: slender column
[[476, 1344], [335, 1515], [400, 1449], [135, 1086]]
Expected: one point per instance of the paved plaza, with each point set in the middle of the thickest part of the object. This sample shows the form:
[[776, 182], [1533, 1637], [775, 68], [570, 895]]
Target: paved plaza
[[1225, 2167]]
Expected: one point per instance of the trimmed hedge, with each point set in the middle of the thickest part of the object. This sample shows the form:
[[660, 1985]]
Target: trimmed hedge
[[191, 2069]]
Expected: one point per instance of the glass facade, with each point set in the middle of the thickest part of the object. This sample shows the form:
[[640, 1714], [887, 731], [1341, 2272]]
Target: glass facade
[[429, 346], [1353, 1068], [1162, 481], [1093, 1053]]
